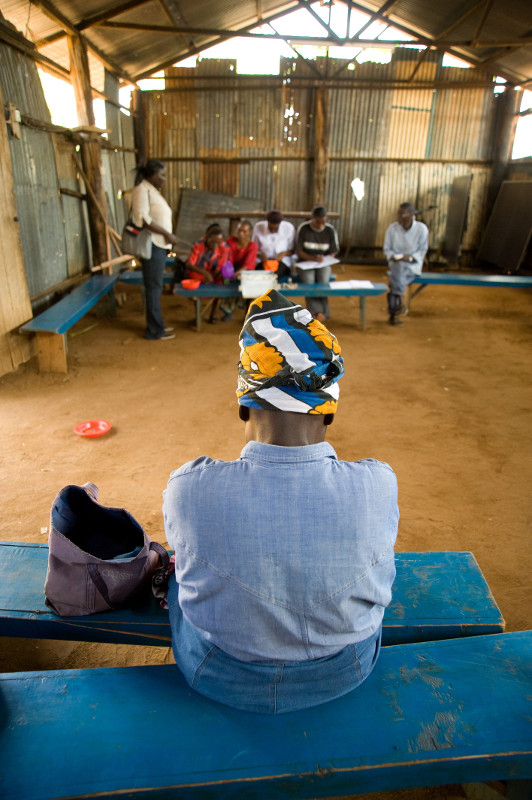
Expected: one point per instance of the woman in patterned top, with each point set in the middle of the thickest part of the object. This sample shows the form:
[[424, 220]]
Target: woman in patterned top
[[206, 260]]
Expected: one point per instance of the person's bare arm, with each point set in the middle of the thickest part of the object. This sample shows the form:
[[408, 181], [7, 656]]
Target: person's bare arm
[[309, 257], [206, 274], [168, 235]]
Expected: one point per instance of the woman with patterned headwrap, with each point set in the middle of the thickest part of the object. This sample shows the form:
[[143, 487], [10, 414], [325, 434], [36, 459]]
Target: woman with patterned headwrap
[[284, 557]]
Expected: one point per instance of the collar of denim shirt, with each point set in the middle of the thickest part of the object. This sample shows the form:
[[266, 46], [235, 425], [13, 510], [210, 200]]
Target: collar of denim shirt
[[273, 453]]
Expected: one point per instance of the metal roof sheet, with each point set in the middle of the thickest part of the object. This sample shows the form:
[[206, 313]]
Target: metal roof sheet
[[494, 32]]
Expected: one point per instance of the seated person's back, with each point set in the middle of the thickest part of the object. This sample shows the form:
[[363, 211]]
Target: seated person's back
[[284, 557]]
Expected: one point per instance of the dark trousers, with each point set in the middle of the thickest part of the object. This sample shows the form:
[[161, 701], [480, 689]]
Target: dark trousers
[[152, 273]]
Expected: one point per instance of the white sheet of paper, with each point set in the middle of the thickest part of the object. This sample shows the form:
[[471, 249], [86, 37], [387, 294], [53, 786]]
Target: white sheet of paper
[[351, 285], [328, 261]]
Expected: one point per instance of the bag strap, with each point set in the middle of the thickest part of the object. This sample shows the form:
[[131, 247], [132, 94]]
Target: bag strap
[[99, 583]]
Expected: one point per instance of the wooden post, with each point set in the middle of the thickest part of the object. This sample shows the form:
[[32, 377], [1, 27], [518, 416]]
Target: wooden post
[[137, 110], [90, 150], [504, 134], [321, 146]]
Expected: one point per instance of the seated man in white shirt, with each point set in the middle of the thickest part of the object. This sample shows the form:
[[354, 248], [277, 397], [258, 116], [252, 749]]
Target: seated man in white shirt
[[276, 240], [405, 245]]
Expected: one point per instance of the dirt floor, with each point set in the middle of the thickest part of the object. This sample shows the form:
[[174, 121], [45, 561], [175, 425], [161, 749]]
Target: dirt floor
[[445, 400]]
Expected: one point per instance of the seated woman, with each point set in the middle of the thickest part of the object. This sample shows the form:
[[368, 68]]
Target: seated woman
[[243, 252], [316, 239], [243, 255], [206, 260]]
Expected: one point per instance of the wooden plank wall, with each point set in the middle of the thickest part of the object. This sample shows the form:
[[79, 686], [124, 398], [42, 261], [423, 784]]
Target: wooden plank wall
[[15, 308]]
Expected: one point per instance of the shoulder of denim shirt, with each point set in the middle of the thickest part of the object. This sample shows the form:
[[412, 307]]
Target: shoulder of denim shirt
[[201, 463], [381, 469], [374, 464]]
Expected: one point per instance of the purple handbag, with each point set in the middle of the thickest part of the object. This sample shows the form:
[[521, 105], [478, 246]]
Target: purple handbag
[[99, 557]]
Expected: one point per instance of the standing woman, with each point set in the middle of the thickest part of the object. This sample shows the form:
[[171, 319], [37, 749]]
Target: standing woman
[[150, 210]]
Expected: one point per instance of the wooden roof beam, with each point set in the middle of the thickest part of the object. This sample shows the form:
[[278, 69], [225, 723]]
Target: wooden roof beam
[[374, 17], [306, 5], [204, 46], [482, 21], [89, 22], [67, 27], [51, 11]]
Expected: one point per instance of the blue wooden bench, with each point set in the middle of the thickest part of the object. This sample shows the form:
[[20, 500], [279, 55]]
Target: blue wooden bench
[[435, 596], [289, 290], [431, 713], [51, 326], [459, 279]]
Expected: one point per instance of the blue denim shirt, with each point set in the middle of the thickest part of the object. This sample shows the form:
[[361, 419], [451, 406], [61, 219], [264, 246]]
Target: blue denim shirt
[[285, 554]]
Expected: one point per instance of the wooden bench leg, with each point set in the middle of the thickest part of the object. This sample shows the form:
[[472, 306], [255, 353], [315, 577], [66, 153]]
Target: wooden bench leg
[[363, 313], [51, 352], [197, 300], [408, 296]]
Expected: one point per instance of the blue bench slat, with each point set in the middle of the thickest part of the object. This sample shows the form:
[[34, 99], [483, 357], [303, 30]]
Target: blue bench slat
[[458, 279], [435, 596], [60, 317], [134, 276], [430, 713]]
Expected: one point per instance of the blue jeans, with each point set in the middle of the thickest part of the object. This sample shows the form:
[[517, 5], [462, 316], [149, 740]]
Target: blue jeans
[[263, 686], [401, 276], [152, 274], [316, 305]]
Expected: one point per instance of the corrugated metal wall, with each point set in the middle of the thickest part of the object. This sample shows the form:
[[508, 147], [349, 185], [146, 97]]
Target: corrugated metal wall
[[35, 176], [407, 140], [53, 225]]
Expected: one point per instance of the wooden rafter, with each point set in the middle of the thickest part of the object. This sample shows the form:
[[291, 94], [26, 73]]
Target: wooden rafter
[[219, 38], [89, 22], [110, 13], [333, 36], [68, 28], [377, 15], [172, 11], [355, 42], [201, 38], [482, 21]]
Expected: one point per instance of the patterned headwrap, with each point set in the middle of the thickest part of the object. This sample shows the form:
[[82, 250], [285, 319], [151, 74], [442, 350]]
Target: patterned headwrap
[[288, 360]]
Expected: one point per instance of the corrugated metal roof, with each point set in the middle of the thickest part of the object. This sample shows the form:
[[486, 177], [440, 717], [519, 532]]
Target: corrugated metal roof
[[497, 34]]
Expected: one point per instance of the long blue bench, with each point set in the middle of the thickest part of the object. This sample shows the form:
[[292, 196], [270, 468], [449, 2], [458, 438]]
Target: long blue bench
[[51, 326], [431, 713], [435, 596], [459, 279], [210, 291]]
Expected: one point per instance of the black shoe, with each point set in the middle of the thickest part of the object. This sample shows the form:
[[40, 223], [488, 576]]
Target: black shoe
[[393, 320]]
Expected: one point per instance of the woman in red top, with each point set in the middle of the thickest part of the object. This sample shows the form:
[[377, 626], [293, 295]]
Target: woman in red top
[[243, 252], [208, 256], [206, 260], [243, 255]]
